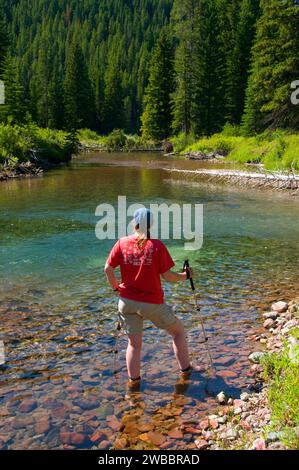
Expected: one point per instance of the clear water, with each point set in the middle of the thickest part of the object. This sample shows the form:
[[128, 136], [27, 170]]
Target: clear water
[[58, 315]]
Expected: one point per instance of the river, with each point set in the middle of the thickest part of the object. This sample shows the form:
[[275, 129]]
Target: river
[[58, 388]]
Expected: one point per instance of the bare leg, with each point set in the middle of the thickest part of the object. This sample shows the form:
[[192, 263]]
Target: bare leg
[[134, 355], [180, 345]]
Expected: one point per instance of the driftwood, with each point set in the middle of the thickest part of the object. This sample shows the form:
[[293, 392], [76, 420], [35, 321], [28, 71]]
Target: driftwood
[[280, 181]]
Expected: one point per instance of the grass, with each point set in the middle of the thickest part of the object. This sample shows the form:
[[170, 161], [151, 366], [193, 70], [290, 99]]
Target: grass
[[277, 151], [281, 371], [117, 140], [19, 143]]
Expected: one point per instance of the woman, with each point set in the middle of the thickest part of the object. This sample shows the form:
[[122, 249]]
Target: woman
[[142, 262]]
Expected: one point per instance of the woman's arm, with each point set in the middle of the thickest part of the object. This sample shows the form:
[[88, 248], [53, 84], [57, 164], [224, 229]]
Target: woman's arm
[[111, 278], [171, 276]]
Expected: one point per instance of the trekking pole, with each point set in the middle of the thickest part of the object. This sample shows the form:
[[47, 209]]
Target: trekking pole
[[197, 307]]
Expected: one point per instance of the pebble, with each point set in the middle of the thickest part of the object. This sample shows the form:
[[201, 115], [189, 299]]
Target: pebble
[[222, 419], [269, 323], [204, 424], [201, 444], [42, 426], [27, 405], [271, 315], [221, 398], [259, 444], [244, 396], [72, 438], [279, 307], [87, 404]]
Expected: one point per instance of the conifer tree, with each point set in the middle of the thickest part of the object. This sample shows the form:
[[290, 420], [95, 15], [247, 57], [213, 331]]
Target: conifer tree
[[200, 67], [157, 115], [275, 65], [14, 108], [113, 96], [3, 44], [79, 100], [238, 31], [185, 17]]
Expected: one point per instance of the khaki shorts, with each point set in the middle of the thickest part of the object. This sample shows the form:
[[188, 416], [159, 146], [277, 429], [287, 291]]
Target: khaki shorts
[[132, 314]]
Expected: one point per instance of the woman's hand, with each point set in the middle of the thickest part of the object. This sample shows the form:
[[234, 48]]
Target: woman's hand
[[171, 276], [189, 273]]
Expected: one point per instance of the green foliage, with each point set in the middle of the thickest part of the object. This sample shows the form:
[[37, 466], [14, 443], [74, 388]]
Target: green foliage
[[14, 109], [182, 141], [18, 144], [282, 373], [156, 118], [14, 144], [78, 93], [3, 44], [88, 65], [275, 150], [238, 30], [219, 143], [119, 31], [116, 140], [198, 102], [114, 97], [275, 65]]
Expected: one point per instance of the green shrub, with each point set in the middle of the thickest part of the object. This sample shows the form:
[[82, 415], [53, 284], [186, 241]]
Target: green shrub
[[283, 396], [182, 141], [14, 144], [116, 140], [277, 150], [290, 157], [216, 143], [18, 142]]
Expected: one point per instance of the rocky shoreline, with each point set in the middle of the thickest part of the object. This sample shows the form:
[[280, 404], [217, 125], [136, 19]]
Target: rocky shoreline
[[244, 423]]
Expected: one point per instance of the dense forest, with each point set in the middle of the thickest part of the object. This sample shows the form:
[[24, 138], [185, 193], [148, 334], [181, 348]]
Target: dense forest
[[162, 66]]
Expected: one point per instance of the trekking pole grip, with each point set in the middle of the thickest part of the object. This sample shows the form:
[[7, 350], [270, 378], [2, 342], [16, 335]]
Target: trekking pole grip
[[186, 266]]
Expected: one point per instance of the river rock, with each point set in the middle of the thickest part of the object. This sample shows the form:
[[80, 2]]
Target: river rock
[[259, 444], [222, 419], [221, 398], [97, 436], [231, 434], [204, 424], [104, 445], [42, 426], [201, 444], [256, 357], [273, 437], [88, 403], [279, 307], [269, 323], [72, 438], [271, 315], [289, 325], [27, 405]]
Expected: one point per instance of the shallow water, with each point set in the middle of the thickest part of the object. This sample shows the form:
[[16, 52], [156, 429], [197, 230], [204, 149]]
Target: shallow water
[[58, 388]]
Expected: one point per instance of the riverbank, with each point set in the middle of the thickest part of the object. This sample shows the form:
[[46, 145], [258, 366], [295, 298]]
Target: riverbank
[[265, 417], [275, 151], [29, 150]]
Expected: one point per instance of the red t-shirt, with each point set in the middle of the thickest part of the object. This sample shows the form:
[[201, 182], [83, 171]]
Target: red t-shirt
[[141, 269]]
